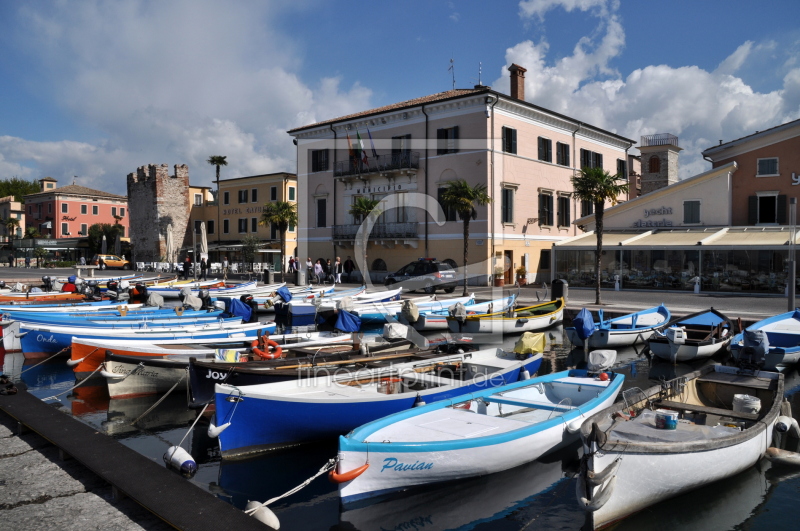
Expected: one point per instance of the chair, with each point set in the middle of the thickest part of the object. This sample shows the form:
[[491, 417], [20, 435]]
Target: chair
[[235, 267], [140, 266]]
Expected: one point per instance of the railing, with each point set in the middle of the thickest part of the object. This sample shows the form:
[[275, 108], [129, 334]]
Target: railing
[[388, 162], [379, 231], [661, 139]]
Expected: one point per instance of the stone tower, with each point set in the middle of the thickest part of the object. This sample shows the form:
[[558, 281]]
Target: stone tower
[[659, 161], [156, 200]]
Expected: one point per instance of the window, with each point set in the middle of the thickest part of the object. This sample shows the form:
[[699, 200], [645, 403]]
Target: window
[[509, 140], [563, 211], [691, 211], [242, 225], [253, 224], [197, 224], [30, 210], [654, 164], [545, 149], [447, 140], [321, 212], [544, 259], [65, 229], [587, 208], [210, 226], [49, 208], [319, 160], [95, 210], [226, 198], [273, 231], [766, 207], [84, 209], [242, 196], [767, 167], [273, 193], [198, 199], [113, 211], [507, 205], [64, 208], [291, 193], [450, 213], [590, 159], [121, 212], [226, 225], [545, 209], [254, 195], [562, 154], [84, 229], [622, 168], [291, 227], [401, 145]]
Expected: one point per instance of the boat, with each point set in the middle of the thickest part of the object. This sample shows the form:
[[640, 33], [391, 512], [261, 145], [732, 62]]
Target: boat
[[433, 319], [706, 426], [473, 434], [215, 289], [267, 416], [373, 313], [778, 336], [622, 331], [516, 321], [71, 306], [696, 336]]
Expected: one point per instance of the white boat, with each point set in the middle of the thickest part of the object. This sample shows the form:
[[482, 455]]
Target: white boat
[[777, 340], [527, 319], [436, 319], [631, 463], [471, 435], [622, 331], [696, 336]]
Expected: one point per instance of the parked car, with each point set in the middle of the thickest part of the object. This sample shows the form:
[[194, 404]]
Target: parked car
[[427, 274], [110, 260]]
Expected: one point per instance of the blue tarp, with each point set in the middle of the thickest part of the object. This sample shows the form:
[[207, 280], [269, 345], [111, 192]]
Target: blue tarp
[[584, 324], [347, 322], [284, 293], [237, 308]]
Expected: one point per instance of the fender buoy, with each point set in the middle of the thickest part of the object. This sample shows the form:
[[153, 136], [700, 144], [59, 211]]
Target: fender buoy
[[274, 350], [463, 405], [335, 477]]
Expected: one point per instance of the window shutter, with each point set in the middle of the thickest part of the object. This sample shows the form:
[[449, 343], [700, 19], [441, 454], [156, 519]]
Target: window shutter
[[598, 160], [455, 140], [441, 141], [782, 209], [541, 209], [505, 139], [541, 148], [585, 159], [513, 141], [752, 210], [567, 217]]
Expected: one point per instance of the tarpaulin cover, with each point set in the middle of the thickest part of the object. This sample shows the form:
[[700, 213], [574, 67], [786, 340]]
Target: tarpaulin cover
[[347, 322], [154, 299], [530, 343], [410, 311], [236, 308], [584, 324], [601, 360], [284, 293]]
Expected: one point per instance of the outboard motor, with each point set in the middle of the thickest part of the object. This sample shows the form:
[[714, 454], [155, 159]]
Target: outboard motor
[[123, 293], [459, 312], [676, 335], [93, 290], [205, 296], [2, 284], [251, 302], [755, 346], [140, 291], [47, 283], [111, 289]]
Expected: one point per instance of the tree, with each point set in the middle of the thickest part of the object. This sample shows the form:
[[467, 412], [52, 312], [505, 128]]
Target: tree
[[218, 160], [282, 214], [19, 188], [11, 225], [32, 232], [361, 208], [598, 186], [96, 233], [40, 253], [250, 245], [463, 198]]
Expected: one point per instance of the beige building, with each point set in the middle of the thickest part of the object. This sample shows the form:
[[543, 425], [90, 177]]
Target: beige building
[[11, 209], [403, 153]]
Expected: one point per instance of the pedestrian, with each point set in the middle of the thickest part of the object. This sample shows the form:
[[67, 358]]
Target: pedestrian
[[349, 267], [319, 271], [27, 262], [328, 269], [187, 266], [224, 268], [291, 265], [101, 263], [83, 260], [337, 270], [11, 260], [203, 268]]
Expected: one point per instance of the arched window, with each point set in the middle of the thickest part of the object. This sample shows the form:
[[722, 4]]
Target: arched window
[[655, 164], [378, 265]]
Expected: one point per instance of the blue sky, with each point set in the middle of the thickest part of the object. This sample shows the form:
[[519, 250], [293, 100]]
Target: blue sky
[[96, 88]]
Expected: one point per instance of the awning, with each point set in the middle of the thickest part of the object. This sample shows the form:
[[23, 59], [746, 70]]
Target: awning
[[694, 239]]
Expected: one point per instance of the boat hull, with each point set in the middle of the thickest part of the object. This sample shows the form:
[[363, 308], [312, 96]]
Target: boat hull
[[666, 350]]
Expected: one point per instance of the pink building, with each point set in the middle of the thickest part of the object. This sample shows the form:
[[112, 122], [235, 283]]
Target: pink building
[[69, 211]]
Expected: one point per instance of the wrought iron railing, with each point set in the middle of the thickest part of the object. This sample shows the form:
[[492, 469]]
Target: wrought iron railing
[[383, 163], [661, 139], [379, 231]]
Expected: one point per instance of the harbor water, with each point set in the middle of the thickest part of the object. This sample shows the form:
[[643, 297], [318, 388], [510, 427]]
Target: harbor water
[[538, 495]]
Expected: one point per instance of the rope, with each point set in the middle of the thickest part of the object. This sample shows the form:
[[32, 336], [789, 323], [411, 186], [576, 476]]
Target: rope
[[325, 468], [46, 359], [199, 415], [151, 408], [76, 385]]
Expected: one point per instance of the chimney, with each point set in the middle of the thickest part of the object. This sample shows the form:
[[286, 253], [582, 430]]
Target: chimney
[[517, 81]]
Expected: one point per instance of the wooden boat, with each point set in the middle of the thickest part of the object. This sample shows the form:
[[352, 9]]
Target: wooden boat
[[623, 331], [630, 464], [470, 435], [44, 296], [215, 289], [527, 319], [373, 313], [782, 348], [433, 319], [287, 413], [696, 336]]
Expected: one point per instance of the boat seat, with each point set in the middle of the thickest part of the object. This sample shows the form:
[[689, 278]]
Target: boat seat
[[426, 378], [720, 412], [591, 382], [522, 402]]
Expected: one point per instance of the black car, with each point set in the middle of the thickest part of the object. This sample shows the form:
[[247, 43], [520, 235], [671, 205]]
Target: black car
[[427, 274]]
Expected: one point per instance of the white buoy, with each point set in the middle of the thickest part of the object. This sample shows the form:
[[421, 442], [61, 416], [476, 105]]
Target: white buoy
[[214, 431], [524, 374], [179, 459], [263, 514], [419, 402]]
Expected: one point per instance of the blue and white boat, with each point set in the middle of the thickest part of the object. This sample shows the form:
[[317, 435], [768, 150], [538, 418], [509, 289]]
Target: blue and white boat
[[473, 434], [376, 312], [622, 331], [255, 418], [99, 306], [436, 319], [781, 346], [696, 336]]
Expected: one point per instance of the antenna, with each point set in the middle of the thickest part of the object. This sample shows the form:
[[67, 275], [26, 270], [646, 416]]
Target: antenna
[[453, 70], [73, 178], [480, 67]]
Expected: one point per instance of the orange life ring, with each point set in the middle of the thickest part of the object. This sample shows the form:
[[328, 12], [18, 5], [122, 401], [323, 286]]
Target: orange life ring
[[334, 477], [274, 350]]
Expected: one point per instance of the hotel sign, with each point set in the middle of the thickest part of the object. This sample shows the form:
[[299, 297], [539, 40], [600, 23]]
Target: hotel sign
[[648, 212], [248, 210]]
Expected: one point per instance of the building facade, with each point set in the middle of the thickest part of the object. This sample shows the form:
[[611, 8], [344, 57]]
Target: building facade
[[11, 209], [404, 154]]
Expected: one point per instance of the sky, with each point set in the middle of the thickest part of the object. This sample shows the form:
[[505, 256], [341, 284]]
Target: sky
[[92, 89]]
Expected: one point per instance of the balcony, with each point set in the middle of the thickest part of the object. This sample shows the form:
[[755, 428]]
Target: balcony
[[661, 139], [386, 234], [391, 162]]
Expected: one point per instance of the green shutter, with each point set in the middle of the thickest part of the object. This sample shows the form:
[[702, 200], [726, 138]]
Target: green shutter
[[752, 210], [513, 141]]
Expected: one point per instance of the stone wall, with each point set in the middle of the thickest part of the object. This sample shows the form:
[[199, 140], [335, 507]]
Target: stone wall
[[156, 200], [669, 168]]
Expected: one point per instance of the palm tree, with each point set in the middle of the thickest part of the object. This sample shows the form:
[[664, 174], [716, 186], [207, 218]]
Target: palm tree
[[282, 214], [360, 209], [463, 198], [218, 160], [598, 186]]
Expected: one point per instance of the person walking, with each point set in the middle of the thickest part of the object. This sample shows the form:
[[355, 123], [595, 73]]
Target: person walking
[[187, 265], [319, 271], [328, 269], [203, 268], [337, 271], [224, 268], [83, 260], [349, 267], [27, 262], [11, 260], [290, 270]]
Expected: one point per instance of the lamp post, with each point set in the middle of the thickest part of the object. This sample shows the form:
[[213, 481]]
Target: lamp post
[[791, 276]]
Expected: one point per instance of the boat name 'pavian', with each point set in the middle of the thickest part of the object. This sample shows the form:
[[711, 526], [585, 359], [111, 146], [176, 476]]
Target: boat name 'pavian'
[[391, 463]]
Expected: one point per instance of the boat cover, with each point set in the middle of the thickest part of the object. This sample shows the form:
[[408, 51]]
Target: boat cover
[[459, 311], [395, 331], [237, 308], [346, 304], [154, 299], [600, 360], [284, 293], [530, 343], [643, 429], [347, 322], [410, 311], [584, 324]]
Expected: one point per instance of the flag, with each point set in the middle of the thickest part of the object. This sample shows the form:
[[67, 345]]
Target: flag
[[364, 158], [350, 147], [372, 144]]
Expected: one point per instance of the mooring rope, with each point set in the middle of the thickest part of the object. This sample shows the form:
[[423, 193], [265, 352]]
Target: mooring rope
[[151, 408], [46, 359], [54, 397], [325, 468]]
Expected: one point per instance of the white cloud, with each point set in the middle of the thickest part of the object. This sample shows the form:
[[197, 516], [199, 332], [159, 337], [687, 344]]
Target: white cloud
[[538, 8]]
